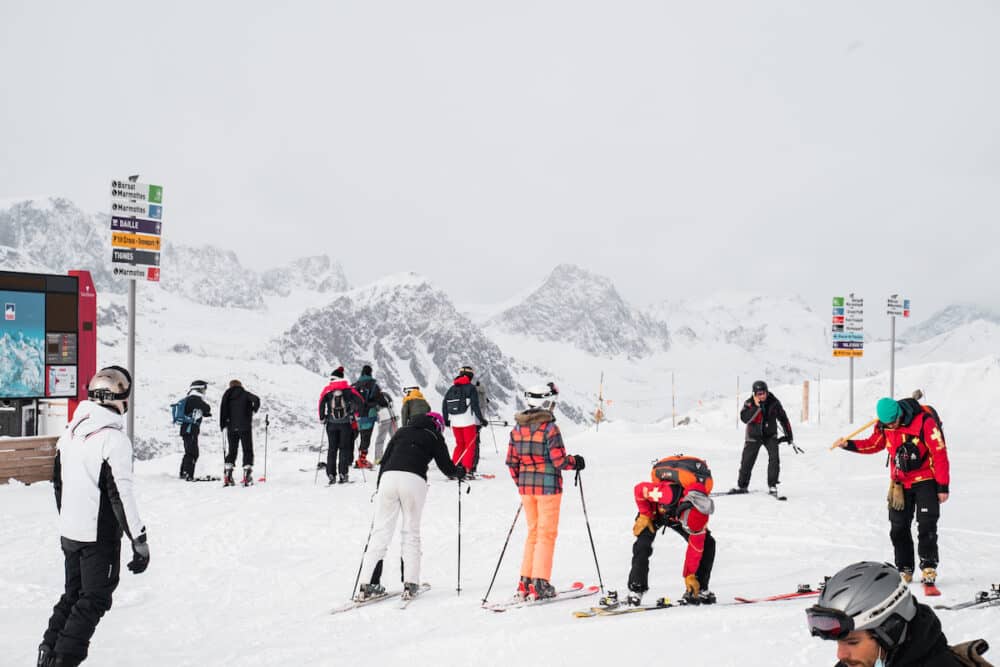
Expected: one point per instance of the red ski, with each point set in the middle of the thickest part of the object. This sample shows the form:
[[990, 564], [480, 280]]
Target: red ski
[[803, 592]]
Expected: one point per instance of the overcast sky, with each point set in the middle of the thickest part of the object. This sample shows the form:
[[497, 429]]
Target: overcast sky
[[677, 147]]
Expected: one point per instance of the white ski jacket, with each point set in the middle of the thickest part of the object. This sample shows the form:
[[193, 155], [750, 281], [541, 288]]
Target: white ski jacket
[[93, 478]]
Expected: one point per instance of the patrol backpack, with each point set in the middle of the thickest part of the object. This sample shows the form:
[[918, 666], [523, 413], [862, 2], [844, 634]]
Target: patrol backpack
[[177, 411], [683, 470], [908, 456]]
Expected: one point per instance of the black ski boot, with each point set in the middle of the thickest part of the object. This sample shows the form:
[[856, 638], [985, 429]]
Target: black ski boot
[[523, 588], [227, 476], [738, 489], [332, 480], [634, 599], [247, 476], [343, 479], [410, 591], [541, 589], [369, 591]]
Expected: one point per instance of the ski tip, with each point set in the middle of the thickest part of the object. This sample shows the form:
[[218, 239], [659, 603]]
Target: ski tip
[[577, 585], [593, 589]]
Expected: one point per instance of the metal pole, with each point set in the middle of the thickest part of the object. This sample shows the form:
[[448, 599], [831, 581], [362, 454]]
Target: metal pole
[[131, 357], [892, 356], [851, 402]]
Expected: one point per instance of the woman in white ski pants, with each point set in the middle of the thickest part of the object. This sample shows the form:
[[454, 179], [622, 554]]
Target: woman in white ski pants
[[404, 492]]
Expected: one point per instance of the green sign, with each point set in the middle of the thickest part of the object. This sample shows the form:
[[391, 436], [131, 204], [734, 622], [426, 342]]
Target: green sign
[[156, 194], [838, 301]]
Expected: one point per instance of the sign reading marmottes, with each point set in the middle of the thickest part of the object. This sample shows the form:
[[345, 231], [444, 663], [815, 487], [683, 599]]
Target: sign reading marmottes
[[136, 229]]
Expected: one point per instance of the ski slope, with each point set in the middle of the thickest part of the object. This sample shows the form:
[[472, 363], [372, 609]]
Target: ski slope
[[249, 575]]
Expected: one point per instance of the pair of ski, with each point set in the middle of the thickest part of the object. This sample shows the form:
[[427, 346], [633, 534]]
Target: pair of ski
[[576, 590], [619, 608], [775, 495], [983, 599], [388, 595]]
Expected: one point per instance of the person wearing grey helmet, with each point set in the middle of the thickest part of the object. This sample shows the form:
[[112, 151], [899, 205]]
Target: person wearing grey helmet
[[869, 611]]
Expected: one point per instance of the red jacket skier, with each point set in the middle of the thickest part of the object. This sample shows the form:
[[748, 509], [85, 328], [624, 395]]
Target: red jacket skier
[[919, 477], [677, 498]]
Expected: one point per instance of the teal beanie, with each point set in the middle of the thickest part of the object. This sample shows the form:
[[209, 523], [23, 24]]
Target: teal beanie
[[887, 410]]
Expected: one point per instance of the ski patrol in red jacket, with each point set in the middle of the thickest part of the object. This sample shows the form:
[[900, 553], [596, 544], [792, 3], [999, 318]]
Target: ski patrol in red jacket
[[665, 503], [923, 438]]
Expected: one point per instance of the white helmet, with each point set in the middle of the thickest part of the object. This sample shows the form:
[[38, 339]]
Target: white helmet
[[541, 396], [111, 387]]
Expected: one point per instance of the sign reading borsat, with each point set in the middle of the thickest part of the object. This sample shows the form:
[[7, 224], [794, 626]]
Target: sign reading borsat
[[136, 227]]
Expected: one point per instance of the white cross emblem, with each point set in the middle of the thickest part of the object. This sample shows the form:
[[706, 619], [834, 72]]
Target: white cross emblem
[[655, 494], [936, 436]]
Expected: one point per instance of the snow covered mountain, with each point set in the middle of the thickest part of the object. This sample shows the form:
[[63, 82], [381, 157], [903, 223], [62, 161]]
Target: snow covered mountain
[[585, 310], [948, 320]]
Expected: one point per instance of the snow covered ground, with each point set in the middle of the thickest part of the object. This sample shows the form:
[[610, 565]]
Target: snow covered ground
[[249, 575]]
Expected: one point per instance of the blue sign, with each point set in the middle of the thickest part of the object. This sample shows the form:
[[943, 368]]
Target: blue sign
[[155, 211]]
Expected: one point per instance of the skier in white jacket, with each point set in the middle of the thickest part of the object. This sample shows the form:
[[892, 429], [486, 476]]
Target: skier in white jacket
[[93, 486]]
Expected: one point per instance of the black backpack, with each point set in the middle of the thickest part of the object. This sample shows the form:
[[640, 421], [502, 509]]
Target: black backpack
[[455, 401], [340, 408]]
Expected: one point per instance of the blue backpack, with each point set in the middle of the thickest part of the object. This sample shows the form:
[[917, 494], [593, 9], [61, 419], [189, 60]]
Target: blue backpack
[[177, 410]]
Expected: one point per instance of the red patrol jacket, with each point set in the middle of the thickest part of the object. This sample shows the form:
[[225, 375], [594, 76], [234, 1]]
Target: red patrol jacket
[[922, 432], [659, 502]]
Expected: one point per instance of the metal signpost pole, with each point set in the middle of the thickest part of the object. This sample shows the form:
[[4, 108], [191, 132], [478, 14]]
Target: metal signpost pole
[[892, 356], [130, 426]]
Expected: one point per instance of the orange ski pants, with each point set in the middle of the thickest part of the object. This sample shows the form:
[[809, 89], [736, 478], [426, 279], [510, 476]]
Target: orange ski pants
[[542, 514]]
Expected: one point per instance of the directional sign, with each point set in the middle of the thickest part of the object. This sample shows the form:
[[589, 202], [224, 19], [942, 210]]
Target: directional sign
[[136, 229], [847, 326], [898, 306]]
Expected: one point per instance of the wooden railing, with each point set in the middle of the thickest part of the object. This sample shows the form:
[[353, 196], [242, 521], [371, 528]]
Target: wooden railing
[[27, 459]]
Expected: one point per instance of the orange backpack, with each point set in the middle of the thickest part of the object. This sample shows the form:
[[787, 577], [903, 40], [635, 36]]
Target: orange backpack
[[683, 470]]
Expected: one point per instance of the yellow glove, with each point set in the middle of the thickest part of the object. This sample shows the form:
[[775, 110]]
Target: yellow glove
[[692, 585], [642, 522], [895, 496]]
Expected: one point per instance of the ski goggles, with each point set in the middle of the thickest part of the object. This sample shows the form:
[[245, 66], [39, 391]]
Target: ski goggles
[[828, 623]]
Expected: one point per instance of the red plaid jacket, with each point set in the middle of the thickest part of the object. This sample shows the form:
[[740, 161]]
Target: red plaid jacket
[[536, 456]]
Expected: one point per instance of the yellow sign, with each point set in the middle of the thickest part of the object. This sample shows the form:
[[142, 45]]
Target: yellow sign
[[848, 353], [137, 241]]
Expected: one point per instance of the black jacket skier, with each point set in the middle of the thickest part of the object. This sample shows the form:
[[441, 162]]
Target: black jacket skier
[[413, 447], [195, 407], [236, 416], [762, 413]]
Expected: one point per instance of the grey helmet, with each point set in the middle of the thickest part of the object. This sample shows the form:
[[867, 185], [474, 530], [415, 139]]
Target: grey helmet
[[111, 387], [865, 596]]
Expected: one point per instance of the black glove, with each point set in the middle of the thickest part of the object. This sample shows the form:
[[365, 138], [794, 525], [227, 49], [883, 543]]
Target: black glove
[[460, 471], [140, 555], [578, 462]]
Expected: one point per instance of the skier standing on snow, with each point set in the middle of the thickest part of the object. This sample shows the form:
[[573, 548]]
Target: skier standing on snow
[[414, 404], [484, 409], [402, 487], [876, 621], [92, 477], [536, 458], [371, 394], [386, 424], [339, 404], [677, 498], [195, 407], [461, 411], [236, 413], [919, 475], [762, 413]]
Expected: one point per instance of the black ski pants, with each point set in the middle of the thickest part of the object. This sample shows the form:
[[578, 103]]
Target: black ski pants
[[366, 440], [920, 500], [190, 453], [750, 451], [341, 438], [91, 578], [642, 549], [235, 438]]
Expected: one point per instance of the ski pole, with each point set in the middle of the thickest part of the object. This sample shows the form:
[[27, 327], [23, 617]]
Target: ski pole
[[851, 435], [503, 551], [267, 422], [458, 587], [357, 579], [319, 456], [579, 482]]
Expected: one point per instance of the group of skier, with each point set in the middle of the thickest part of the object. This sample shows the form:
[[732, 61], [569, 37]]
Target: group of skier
[[867, 607]]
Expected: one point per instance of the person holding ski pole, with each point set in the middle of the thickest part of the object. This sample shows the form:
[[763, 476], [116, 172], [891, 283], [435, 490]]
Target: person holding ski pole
[[95, 497], [676, 498], [536, 458], [402, 488], [461, 411], [339, 405], [919, 476], [762, 413], [194, 408]]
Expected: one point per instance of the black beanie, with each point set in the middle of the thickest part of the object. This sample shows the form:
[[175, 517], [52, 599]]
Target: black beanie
[[337, 372], [366, 370], [759, 385]]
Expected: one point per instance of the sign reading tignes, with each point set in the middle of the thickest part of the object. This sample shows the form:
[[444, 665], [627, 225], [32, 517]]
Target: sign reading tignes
[[136, 229]]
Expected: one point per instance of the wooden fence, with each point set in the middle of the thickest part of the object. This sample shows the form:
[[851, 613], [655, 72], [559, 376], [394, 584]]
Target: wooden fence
[[27, 459]]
